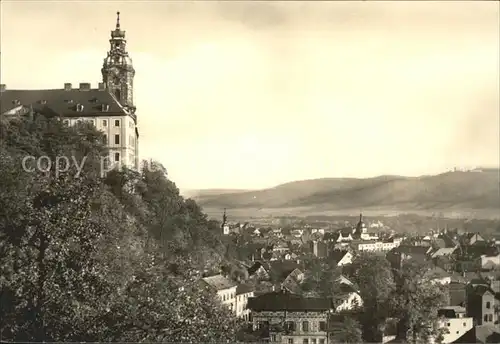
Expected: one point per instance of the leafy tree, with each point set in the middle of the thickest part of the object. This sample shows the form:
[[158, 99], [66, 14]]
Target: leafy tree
[[85, 259], [322, 280], [372, 274], [345, 330], [415, 302]]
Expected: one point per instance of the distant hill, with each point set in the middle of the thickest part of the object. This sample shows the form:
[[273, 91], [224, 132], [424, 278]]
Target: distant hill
[[209, 192], [452, 190]]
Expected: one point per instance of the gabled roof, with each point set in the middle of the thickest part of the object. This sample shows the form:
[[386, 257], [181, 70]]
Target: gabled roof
[[337, 255], [291, 285], [457, 294], [451, 311], [256, 266], [411, 250], [468, 337], [436, 273], [219, 282], [63, 102], [488, 333], [481, 289], [244, 289], [447, 240], [281, 269], [280, 301], [443, 252]]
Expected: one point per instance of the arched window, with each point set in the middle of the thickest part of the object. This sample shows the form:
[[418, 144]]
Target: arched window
[[117, 94]]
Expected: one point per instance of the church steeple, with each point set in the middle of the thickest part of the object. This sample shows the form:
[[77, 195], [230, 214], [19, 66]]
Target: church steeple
[[361, 226], [118, 21], [224, 218], [117, 70], [224, 225]]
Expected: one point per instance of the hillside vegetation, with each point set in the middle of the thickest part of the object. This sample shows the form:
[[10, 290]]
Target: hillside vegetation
[[452, 190], [90, 259]]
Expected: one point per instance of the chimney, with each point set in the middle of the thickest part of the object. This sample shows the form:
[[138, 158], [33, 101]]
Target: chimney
[[84, 86], [101, 86], [2, 87], [67, 86]]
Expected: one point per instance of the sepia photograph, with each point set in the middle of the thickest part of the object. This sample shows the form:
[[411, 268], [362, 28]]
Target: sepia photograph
[[247, 172]]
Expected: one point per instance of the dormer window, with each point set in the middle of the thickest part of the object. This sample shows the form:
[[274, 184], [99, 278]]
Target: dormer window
[[16, 102], [43, 101], [79, 107], [104, 107]]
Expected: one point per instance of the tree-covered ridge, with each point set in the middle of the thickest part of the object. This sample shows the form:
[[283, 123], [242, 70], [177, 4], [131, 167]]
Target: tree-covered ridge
[[89, 259]]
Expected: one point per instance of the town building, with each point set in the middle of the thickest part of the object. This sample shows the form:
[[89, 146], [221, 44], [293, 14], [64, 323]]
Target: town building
[[225, 225], [361, 231], [285, 318], [225, 289], [243, 293], [109, 107], [318, 248], [455, 322], [482, 305], [348, 299], [341, 257], [373, 245]]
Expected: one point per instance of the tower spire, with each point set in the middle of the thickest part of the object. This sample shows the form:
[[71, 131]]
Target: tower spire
[[117, 71], [118, 20], [224, 217]]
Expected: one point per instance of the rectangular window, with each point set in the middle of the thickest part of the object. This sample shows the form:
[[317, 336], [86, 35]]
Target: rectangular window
[[290, 340], [273, 338], [485, 317], [490, 317], [117, 122], [104, 123], [313, 340], [117, 156], [105, 139], [322, 326], [305, 341], [488, 305], [117, 139], [322, 341], [305, 326]]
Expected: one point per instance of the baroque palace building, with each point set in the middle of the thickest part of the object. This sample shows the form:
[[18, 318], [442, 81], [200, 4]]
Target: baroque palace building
[[110, 106]]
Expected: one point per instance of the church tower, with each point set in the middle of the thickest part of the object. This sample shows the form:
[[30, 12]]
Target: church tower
[[117, 70], [225, 226]]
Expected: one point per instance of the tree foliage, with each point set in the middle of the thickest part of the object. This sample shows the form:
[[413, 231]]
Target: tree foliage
[[403, 293], [347, 329], [322, 279], [372, 274], [415, 302], [89, 259]]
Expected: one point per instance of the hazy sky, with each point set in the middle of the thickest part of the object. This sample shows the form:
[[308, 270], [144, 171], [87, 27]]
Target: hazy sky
[[253, 94]]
